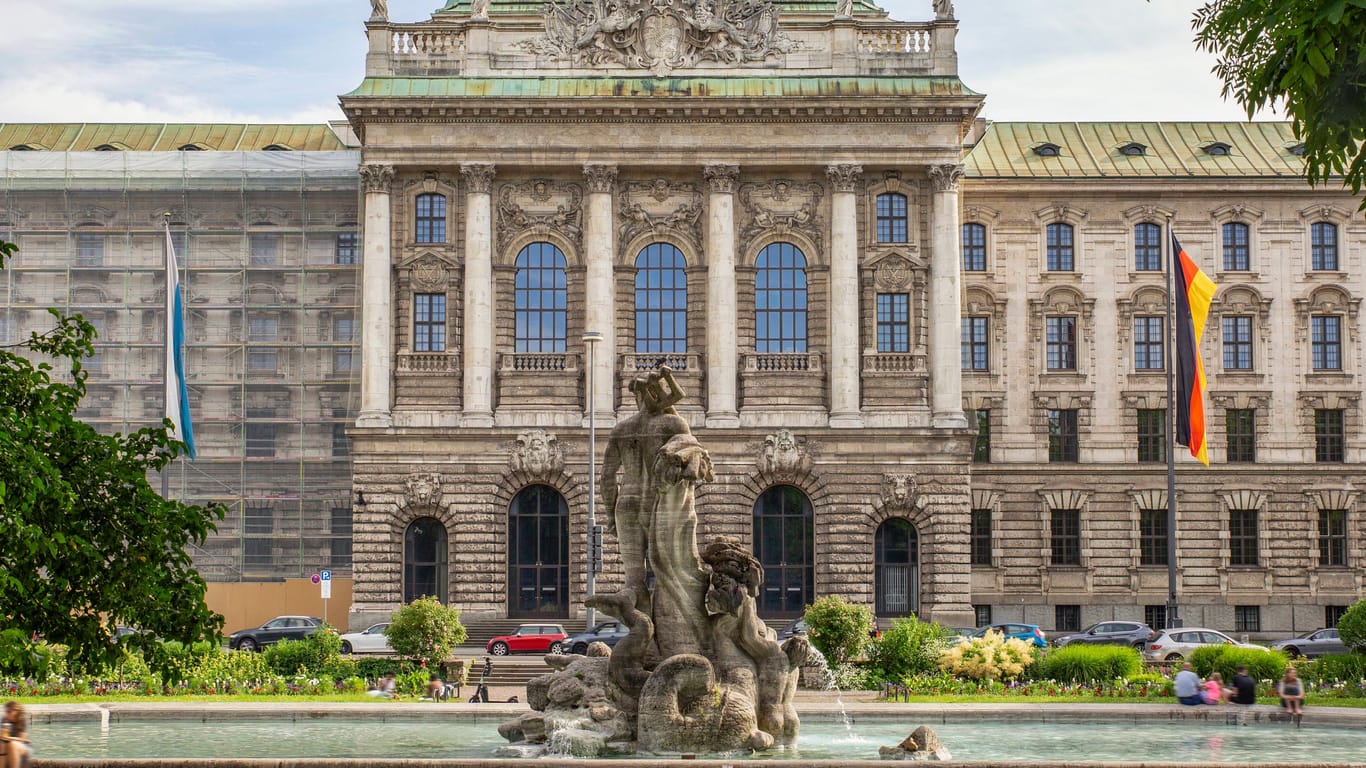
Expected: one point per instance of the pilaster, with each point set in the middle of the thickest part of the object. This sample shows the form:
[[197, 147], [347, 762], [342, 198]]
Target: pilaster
[[722, 347], [478, 309], [600, 313], [946, 375], [377, 330], [844, 296]]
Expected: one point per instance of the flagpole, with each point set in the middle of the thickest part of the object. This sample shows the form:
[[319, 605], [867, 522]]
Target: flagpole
[[166, 349], [1173, 611]]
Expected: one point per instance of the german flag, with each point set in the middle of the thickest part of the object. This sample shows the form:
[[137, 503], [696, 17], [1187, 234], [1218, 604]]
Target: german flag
[[1193, 294]]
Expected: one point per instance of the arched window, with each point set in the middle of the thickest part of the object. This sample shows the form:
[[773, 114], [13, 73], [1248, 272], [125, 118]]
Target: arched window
[[1148, 247], [424, 560], [1237, 256], [1060, 247], [661, 300], [538, 553], [541, 295], [780, 299], [974, 247], [429, 223], [891, 218], [784, 534], [896, 564]]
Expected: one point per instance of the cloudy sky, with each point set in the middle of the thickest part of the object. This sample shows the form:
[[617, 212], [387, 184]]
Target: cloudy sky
[[286, 60]]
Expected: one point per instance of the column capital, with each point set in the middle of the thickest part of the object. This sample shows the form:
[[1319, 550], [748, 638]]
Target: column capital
[[478, 177], [601, 177], [945, 177], [845, 176], [377, 177], [721, 177]]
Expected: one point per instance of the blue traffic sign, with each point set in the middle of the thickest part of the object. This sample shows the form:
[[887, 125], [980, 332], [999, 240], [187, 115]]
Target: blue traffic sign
[[325, 575]]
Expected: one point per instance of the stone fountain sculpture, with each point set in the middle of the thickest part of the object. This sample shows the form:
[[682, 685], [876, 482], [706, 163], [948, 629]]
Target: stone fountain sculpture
[[699, 670]]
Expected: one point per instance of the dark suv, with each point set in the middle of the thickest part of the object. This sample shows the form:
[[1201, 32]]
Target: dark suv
[[608, 632], [1134, 633]]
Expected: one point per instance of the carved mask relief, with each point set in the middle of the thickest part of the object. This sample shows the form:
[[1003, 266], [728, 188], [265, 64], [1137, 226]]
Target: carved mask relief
[[423, 489], [899, 494], [540, 205], [537, 452], [783, 457], [659, 205]]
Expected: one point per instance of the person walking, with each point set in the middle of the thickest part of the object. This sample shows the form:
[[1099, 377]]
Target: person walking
[[1188, 686]]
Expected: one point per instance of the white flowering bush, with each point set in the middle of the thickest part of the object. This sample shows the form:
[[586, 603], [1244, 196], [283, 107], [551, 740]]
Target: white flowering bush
[[990, 657]]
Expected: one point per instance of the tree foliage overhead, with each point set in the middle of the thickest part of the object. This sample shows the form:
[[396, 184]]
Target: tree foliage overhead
[[1308, 56], [86, 544]]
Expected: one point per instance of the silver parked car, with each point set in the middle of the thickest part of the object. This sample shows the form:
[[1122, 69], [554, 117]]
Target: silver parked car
[[1316, 643], [1177, 644]]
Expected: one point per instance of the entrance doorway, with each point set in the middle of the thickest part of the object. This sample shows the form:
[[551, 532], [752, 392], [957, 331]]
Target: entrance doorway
[[784, 534], [896, 568], [538, 554], [424, 560]]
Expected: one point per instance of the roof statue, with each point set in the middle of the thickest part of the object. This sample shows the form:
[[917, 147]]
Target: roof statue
[[379, 10], [943, 10], [660, 35]]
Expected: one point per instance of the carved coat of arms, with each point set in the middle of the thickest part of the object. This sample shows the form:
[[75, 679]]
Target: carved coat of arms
[[424, 489], [660, 35]]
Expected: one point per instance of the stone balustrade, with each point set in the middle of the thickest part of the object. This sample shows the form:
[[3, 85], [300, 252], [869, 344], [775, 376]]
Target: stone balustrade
[[894, 362], [905, 39], [678, 361], [428, 363], [414, 42], [539, 362], [781, 362]]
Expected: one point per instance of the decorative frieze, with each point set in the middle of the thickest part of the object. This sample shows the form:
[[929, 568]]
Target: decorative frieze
[[478, 177], [782, 206], [659, 205], [721, 177], [540, 205], [377, 177]]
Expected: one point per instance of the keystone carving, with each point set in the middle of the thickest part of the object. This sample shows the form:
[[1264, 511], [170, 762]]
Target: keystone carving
[[423, 489], [783, 457], [900, 494], [775, 207], [537, 452], [377, 177]]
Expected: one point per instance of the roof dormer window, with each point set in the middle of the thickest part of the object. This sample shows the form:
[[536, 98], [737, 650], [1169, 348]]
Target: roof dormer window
[[192, 147], [1133, 149], [1296, 149], [1218, 149], [27, 148], [277, 148], [1048, 149], [108, 148]]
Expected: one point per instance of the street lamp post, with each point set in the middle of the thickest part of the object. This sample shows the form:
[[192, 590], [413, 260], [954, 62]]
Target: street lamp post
[[590, 340]]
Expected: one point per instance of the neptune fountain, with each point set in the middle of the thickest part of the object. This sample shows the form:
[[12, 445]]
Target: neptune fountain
[[699, 670]]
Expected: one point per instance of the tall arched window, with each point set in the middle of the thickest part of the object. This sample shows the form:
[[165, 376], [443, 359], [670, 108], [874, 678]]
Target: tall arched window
[[784, 536], [540, 300], [661, 300], [429, 221], [538, 553], [424, 560], [780, 299], [896, 565], [891, 218]]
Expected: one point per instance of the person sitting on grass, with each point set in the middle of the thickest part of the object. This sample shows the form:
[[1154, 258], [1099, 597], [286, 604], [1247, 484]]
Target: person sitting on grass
[[1292, 692], [387, 688], [436, 689], [1188, 686], [1213, 692]]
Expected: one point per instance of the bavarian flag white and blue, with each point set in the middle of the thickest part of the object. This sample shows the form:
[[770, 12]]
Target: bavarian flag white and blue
[[177, 399]]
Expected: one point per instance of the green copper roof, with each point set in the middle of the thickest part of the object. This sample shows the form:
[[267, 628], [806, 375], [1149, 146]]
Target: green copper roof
[[824, 7], [1092, 150], [657, 87]]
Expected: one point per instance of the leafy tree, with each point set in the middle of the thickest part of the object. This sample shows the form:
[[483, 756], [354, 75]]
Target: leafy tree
[[1308, 56], [86, 544], [1352, 626], [425, 631], [838, 628], [910, 647]]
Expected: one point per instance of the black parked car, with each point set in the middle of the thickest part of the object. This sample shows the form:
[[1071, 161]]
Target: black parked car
[[1134, 633], [273, 631], [607, 632]]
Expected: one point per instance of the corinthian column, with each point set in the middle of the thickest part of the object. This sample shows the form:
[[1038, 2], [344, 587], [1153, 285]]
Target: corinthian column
[[946, 378], [844, 348], [377, 330], [477, 392], [722, 348], [600, 314]]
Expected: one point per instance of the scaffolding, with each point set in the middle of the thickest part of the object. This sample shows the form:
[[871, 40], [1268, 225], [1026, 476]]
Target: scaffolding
[[269, 250]]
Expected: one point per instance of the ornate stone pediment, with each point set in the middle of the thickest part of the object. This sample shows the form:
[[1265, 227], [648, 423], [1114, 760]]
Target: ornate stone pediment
[[660, 35], [658, 205], [783, 457], [422, 489], [540, 205], [782, 206], [537, 452]]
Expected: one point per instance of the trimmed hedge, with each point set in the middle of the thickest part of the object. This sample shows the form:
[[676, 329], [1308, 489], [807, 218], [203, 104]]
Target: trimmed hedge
[[1080, 663], [1261, 663]]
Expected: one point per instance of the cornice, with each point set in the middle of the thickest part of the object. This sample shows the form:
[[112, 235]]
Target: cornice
[[427, 112]]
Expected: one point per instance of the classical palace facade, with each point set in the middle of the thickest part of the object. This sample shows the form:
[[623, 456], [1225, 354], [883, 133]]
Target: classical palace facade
[[926, 352]]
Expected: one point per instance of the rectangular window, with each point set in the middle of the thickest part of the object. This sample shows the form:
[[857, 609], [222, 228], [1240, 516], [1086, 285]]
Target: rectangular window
[[1065, 536], [1241, 432], [429, 223], [344, 329], [891, 218], [1243, 546], [1155, 616], [1329, 435], [1247, 618], [264, 249], [262, 360], [1148, 248], [341, 444], [893, 322], [1152, 537], [1332, 614], [262, 329], [340, 543], [1326, 337], [345, 361], [1237, 342], [981, 447], [1237, 257], [981, 537], [429, 322], [974, 248], [1324, 246], [1060, 248], [981, 614], [348, 248], [1063, 442], [974, 346], [1152, 434], [90, 249], [1067, 618], [1332, 537], [1149, 344], [1062, 343], [258, 524]]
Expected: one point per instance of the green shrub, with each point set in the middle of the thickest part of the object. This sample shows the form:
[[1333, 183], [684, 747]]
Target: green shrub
[[990, 657], [1261, 663], [374, 669], [1352, 625], [1161, 683], [238, 667], [22, 657], [340, 668], [425, 631], [312, 655], [854, 677], [1080, 663], [413, 683], [838, 628], [1334, 667], [352, 685], [910, 647]]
